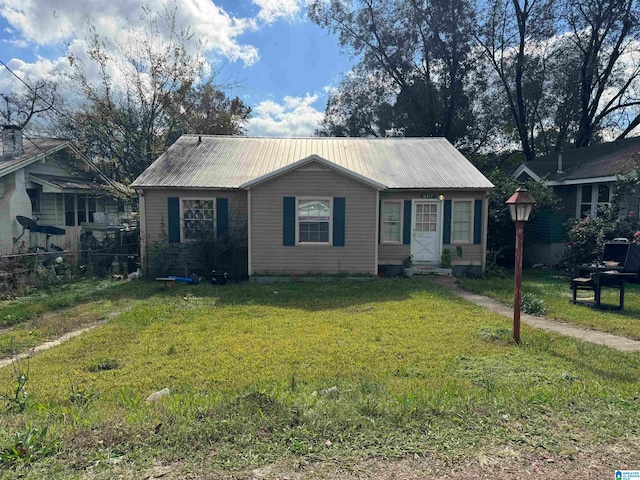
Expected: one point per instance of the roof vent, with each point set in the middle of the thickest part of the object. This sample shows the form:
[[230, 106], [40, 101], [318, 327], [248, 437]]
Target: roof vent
[[560, 163], [11, 141]]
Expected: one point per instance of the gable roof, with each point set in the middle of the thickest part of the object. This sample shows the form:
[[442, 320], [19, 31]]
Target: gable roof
[[34, 150], [309, 160], [596, 161], [195, 161]]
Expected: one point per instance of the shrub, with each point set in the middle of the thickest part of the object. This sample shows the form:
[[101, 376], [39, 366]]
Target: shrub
[[28, 446], [102, 365], [501, 229], [587, 236], [17, 399], [227, 254], [532, 304]]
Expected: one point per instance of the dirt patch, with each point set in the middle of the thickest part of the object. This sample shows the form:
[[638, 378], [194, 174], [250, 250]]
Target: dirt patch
[[507, 463]]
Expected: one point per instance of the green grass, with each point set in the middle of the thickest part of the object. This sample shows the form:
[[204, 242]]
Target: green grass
[[47, 314], [251, 370], [553, 287]]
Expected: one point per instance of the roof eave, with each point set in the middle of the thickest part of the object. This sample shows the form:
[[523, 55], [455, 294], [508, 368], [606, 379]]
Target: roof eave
[[28, 161], [313, 158], [578, 181]]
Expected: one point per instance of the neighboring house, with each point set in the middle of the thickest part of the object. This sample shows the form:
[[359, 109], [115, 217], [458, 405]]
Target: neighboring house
[[582, 179], [319, 205], [47, 180]]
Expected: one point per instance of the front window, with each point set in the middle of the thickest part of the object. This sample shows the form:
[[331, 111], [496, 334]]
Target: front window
[[461, 225], [585, 201], [391, 217], [314, 217], [592, 198], [198, 217], [79, 208], [69, 210]]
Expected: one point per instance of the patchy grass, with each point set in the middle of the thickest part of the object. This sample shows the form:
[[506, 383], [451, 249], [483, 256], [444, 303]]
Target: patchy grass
[[554, 289], [44, 315], [311, 372]]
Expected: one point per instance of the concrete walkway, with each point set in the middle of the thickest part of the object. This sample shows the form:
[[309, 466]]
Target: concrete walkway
[[47, 345], [612, 341]]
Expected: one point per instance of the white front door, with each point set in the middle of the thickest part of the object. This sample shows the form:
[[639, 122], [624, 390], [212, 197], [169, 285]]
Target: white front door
[[426, 236]]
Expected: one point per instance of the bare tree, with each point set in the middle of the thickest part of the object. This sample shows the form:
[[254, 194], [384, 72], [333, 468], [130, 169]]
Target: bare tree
[[605, 35], [512, 35], [31, 99]]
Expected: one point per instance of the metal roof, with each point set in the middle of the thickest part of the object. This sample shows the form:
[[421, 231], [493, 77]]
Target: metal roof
[[67, 183], [602, 160], [228, 162]]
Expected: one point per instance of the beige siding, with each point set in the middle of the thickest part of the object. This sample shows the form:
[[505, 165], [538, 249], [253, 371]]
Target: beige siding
[[471, 254], [156, 208], [269, 255]]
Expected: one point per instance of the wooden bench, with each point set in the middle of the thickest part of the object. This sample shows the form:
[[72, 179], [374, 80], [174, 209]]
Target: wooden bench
[[168, 282]]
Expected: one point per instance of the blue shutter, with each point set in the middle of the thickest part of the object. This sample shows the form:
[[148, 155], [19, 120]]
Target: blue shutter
[[174, 219], [289, 222], [338, 221], [446, 224], [222, 217], [406, 231], [477, 222]]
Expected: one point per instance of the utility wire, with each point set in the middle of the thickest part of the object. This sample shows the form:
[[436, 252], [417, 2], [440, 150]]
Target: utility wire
[[82, 154], [84, 157]]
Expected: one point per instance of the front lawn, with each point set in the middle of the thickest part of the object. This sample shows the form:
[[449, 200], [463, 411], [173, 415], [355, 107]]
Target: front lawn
[[554, 288], [50, 313], [314, 372]]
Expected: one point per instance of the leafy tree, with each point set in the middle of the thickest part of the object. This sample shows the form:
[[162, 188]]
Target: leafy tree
[[359, 107], [151, 89], [418, 51], [500, 241]]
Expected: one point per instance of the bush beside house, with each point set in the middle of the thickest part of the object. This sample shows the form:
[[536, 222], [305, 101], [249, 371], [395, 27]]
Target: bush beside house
[[586, 237]]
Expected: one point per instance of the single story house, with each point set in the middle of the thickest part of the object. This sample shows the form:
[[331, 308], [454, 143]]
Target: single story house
[[48, 181], [582, 179], [319, 205]]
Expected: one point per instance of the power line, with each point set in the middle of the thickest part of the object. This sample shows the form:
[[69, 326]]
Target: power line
[[32, 90], [84, 157], [75, 122]]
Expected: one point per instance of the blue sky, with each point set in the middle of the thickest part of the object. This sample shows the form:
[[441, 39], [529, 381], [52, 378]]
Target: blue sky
[[274, 58]]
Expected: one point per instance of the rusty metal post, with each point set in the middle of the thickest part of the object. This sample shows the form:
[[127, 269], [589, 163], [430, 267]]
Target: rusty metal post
[[517, 287]]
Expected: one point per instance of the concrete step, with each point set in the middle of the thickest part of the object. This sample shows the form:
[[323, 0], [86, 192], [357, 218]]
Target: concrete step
[[431, 270]]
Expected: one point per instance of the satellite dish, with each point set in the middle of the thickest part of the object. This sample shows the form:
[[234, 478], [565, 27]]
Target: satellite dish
[[49, 230], [26, 222]]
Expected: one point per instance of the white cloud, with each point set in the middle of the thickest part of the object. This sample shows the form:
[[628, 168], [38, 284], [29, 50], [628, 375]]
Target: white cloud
[[51, 22], [272, 10], [42, 68], [293, 117]]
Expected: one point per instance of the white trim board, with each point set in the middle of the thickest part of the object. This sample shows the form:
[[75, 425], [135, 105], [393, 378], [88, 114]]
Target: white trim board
[[322, 161]]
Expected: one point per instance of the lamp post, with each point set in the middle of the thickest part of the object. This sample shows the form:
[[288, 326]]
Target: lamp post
[[520, 206]]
